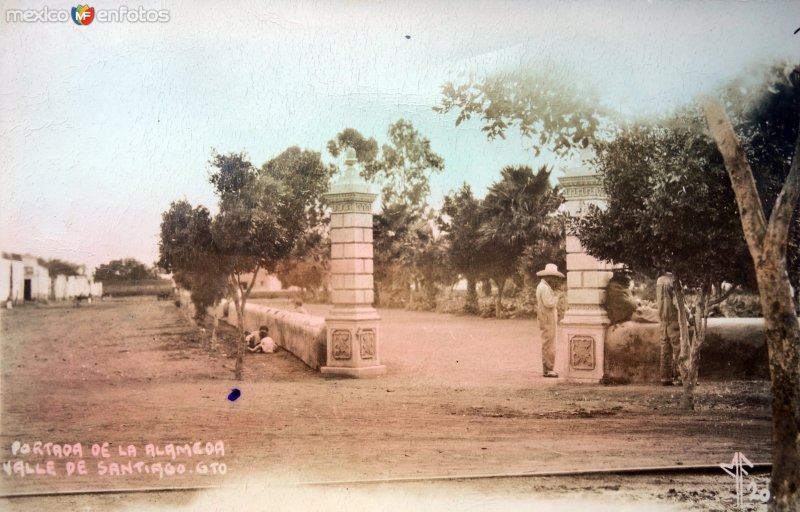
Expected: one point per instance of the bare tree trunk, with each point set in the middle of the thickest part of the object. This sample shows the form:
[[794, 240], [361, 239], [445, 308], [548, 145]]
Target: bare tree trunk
[[471, 305], [498, 302], [239, 369], [214, 336], [687, 400], [767, 241], [695, 339]]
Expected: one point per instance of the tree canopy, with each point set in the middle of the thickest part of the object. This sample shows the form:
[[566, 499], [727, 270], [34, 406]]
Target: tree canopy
[[516, 213], [186, 248], [57, 267], [127, 269], [263, 212], [552, 113], [670, 206], [460, 220]]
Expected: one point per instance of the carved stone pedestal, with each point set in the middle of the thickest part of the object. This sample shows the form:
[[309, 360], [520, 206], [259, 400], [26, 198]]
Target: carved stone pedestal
[[353, 348]]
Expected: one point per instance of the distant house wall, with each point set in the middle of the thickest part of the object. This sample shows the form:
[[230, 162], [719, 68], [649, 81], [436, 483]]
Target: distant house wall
[[17, 281], [15, 270], [43, 284], [38, 275], [5, 279], [59, 287], [78, 286]]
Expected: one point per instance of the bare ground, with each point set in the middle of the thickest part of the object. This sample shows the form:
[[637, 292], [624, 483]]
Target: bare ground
[[462, 397]]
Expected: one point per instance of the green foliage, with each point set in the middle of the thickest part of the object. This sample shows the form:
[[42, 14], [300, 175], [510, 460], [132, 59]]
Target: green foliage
[[393, 237], [460, 220], [127, 269], [56, 267], [765, 116], [551, 248], [670, 207], [308, 266], [403, 166], [551, 112], [516, 213], [187, 249], [262, 214], [404, 169], [366, 149]]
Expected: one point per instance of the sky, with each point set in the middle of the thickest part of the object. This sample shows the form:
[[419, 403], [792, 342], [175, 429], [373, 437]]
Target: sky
[[103, 125]]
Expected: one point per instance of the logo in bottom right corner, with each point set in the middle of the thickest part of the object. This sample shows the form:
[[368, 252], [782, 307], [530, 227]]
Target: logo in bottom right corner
[[738, 470]]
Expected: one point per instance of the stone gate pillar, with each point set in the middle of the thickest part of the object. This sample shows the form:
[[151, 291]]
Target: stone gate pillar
[[581, 335], [353, 335]]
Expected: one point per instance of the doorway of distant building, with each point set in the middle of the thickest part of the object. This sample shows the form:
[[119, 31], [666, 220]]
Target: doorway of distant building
[[28, 290]]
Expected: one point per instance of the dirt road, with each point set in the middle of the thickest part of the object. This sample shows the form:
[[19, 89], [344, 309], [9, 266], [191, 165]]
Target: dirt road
[[461, 398]]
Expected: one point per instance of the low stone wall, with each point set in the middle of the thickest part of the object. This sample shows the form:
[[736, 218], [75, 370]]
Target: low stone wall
[[735, 348], [303, 335]]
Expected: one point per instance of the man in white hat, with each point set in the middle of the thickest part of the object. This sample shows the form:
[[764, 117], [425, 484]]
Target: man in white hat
[[547, 315]]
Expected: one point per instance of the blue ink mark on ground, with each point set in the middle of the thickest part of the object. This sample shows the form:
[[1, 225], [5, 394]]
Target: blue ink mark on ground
[[234, 394]]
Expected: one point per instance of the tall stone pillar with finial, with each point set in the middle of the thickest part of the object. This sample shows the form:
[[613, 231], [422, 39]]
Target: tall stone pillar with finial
[[580, 343], [353, 324]]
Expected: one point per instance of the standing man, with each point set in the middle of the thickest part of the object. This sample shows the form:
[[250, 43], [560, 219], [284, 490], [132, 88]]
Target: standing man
[[547, 315], [670, 329]]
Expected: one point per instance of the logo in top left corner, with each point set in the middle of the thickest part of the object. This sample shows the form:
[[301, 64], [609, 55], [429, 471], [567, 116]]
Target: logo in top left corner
[[83, 14]]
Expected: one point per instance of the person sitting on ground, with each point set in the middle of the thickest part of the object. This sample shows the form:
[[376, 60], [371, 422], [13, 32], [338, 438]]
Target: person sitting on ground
[[260, 341], [298, 307], [620, 304]]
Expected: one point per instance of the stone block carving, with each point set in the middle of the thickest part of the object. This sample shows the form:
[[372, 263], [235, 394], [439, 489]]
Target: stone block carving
[[341, 344], [581, 352], [351, 206], [367, 342]]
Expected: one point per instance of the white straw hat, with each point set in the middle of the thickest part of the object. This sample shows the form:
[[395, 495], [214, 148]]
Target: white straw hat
[[550, 270]]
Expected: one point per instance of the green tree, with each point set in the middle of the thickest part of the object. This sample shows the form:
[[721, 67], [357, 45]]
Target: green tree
[[308, 265], [552, 113], [516, 213], [262, 214], [127, 269], [768, 241], [56, 267], [426, 256], [186, 248], [366, 149], [392, 235], [405, 167], [460, 220], [670, 207], [765, 116]]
